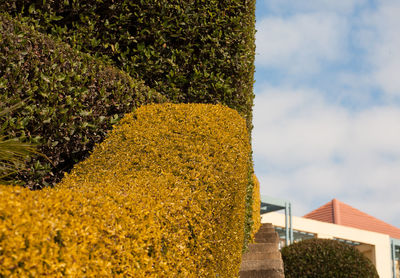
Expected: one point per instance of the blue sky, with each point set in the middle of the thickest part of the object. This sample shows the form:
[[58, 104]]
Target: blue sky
[[327, 106]]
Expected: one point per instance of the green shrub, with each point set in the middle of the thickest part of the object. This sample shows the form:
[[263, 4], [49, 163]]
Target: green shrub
[[73, 99], [13, 152], [324, 258], [162, 196], [190, 51]]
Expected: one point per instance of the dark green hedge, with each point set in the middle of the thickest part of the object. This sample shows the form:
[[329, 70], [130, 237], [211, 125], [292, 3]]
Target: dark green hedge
[[191, 51], [70, 99], [325, 258]]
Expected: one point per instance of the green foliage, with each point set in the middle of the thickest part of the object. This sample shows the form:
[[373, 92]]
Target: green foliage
[[190, 51], [13, 152], [73, 99], [324, 258], [162, 196]]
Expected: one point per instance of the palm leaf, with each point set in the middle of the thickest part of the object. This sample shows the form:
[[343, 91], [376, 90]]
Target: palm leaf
[[13, 152]]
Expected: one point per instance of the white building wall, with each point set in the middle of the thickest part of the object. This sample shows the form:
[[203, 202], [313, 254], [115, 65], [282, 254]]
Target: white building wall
[[380, 242]]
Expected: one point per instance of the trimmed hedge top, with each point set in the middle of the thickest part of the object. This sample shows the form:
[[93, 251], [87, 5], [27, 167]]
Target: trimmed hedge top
[[325, 258], [70, 99], [162, 196], [190, 51]]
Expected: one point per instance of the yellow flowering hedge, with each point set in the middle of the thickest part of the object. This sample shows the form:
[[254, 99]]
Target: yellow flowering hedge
[[256, 206], [162, 196]]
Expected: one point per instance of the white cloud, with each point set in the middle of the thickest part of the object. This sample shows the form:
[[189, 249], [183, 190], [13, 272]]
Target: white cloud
[[317, 36], [308, 150], [301, 43], [341, 6], [293, 127], [377, 130], [380, 38]]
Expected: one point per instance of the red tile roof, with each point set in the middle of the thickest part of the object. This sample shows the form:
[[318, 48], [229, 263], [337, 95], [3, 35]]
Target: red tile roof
[[340, 213]]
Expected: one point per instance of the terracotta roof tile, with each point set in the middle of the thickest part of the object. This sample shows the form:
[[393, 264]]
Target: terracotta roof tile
[[340, 213], [324, 213]]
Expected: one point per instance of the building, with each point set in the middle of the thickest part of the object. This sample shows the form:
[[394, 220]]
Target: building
[[378, 240]]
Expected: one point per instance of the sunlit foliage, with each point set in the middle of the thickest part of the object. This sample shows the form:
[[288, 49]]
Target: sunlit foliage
[[162, 196]]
